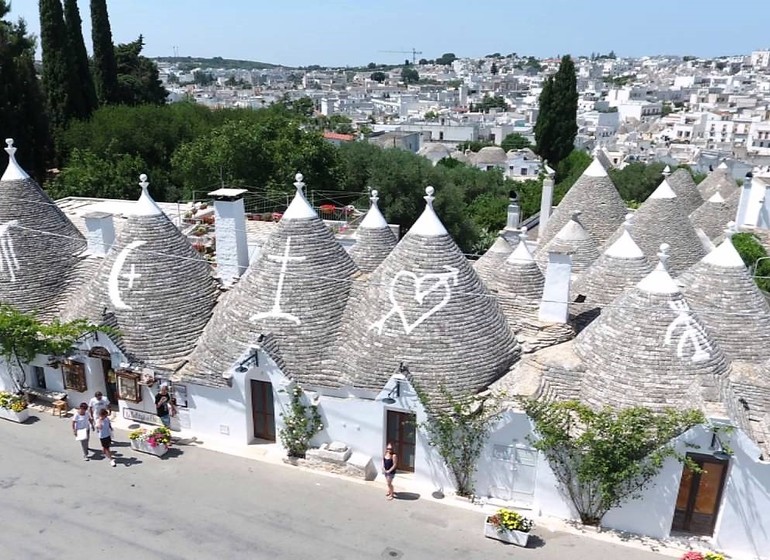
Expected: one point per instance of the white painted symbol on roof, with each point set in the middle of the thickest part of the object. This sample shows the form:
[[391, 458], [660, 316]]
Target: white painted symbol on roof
[[276, 310], [113, 282], [433, 282], [691, 332], [8, 260]]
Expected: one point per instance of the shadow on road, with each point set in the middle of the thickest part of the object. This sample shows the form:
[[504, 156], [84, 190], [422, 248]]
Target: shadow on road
[[410, 496], [31, 420]]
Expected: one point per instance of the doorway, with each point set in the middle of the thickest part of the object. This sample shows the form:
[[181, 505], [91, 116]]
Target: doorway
[[110, 381], [700, 493], [262, 411], [402, 433]]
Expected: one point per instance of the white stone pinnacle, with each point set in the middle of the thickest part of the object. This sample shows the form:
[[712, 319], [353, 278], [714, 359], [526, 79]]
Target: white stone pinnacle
[[725, 255], [625, 247], [300, 208], [429, 224], [596, 169], [664, 190], [374, 218], [145, 206], [659, 281], [13, 172]]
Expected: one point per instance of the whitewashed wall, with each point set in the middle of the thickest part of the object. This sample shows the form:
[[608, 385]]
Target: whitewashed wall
[[743, 527]]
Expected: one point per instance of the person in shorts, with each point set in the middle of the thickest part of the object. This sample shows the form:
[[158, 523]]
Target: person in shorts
[[104, 430]]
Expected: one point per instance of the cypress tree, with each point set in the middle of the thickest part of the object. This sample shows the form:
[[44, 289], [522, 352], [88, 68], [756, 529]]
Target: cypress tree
[[60, 83], [556, 125], [22, 109], [105, 68], [78, 48]]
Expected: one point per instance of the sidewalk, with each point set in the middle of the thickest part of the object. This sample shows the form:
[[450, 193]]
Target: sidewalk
[[274, 454]]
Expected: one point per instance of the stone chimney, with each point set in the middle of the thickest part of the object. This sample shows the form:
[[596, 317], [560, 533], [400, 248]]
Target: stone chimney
[[546, 200], [230, 229], [514, 212], [554, 307], [743, 205], [100, 232]]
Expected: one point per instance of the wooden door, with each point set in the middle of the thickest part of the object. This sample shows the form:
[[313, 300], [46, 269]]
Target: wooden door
[[262, 410], [402, 433], [697, 504]]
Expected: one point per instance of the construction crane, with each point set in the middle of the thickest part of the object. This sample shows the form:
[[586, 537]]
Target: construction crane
[[414, 52]]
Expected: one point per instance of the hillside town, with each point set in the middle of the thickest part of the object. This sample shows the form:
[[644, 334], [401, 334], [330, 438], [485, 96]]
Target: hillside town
[[675, 109], [537, 289]]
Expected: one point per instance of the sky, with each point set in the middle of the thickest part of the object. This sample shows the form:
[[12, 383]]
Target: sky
[[356, 32]]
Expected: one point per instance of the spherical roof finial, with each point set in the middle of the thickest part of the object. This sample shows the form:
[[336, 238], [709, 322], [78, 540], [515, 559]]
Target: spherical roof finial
[[523, 234], [143, 181]]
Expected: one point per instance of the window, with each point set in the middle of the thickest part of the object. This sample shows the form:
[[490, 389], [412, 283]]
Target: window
[[128, 386], [523, 170], [38, 376], [74, 374], [441, 135]]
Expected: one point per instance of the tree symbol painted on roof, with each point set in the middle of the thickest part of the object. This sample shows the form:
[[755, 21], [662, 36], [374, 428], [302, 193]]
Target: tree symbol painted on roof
[[423, 286], [8, 260]]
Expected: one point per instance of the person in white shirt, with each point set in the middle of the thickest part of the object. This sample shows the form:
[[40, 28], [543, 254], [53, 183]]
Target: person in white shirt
[[97, 404], [104, 429], [82, 421]]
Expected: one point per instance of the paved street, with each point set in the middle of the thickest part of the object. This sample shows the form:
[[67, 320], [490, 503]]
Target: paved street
[[199, 504]]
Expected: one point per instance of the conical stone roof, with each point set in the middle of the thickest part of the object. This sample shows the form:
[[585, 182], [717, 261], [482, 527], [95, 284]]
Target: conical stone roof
[[374, 239], [492, 260], [160, 290], [720, 180], [594, 195], [574, 240], [295, 291], [683, 185], [724, 295], [650, 349], [712, 215], [621, 267], [661, 219], [519, 284], [38, 243], [425, 306]]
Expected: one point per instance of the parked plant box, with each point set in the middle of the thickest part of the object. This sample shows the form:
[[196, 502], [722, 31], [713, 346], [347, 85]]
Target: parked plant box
[[518, 538], [159, 450], [8, 414]]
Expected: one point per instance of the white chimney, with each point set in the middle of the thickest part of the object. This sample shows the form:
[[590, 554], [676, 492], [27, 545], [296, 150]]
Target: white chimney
[[554, 307], [546, 202], [100, 232], [743, 204], [230, 229], [514, 212]]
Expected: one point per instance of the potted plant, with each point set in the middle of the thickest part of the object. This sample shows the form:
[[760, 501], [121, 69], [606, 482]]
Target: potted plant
[[13, 407], [154, 442], [694, 555], [508, 526]]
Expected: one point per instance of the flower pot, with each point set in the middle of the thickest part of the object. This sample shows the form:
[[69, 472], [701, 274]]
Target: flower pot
[[9, 414], [139, 445], [519, 538]]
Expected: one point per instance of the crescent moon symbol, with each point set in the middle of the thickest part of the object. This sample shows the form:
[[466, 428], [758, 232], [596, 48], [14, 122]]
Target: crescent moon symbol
[[113, 287]]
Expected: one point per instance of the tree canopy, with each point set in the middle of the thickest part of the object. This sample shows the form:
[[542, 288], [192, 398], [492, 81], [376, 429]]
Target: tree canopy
[[138, 78], [556, 125], [22, 107], [105, 69], [409, 75], [515, 141]]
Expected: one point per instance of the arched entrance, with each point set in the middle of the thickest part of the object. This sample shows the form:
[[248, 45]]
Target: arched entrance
[[110, 379]]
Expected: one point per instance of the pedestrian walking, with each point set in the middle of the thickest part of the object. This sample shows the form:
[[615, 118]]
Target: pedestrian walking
[[96, 404], [164, 405], [81, 428], [104, 429], [389, 466]]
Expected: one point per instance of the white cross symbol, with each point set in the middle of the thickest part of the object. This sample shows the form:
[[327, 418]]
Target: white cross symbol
[[131, 277], [276, 310]]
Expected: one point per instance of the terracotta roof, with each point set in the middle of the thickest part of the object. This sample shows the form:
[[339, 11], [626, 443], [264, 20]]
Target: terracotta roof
[[337, 136]]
